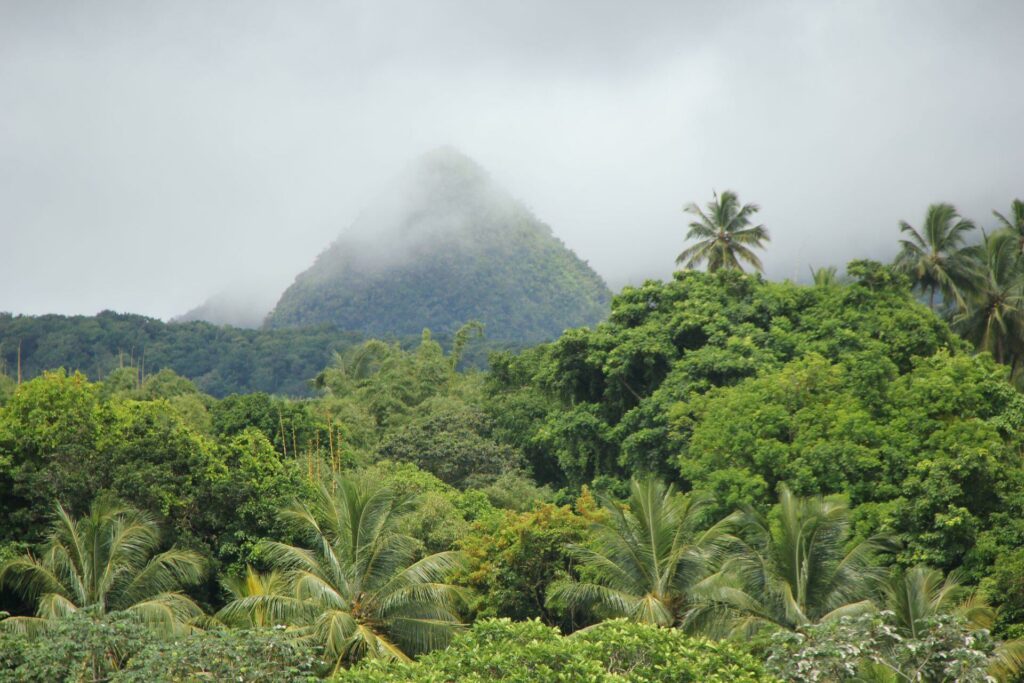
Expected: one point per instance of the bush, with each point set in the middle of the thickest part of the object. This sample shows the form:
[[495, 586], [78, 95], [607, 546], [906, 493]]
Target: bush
[[257, 656], [857, 648], [614, 652], [76, 648], [638, 653]]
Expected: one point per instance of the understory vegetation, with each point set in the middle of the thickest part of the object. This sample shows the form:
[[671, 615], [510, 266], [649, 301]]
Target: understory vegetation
[[729, 479]]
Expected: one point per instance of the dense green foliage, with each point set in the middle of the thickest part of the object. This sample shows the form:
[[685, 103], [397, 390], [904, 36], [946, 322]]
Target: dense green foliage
[[825, 479], [443, 247], [620, 398], [255, 656], [514, 558], [454, 443], [117, 648], [871, 648], [76, 649], [220, 360], [615, 651]]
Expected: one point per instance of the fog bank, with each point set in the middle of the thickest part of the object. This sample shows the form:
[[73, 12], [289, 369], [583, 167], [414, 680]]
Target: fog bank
[[153, 154]]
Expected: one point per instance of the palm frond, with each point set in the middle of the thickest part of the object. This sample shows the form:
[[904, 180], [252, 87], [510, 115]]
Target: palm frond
[[267, 609], [24, 626], [577, 594], [1007, 662], [163, 573], [168, 613]]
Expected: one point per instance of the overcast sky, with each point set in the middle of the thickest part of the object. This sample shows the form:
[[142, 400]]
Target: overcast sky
[[154, 153]]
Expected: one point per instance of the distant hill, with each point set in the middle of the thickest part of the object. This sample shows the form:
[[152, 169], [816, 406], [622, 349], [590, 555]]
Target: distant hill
[[219, 359], [445, 245]]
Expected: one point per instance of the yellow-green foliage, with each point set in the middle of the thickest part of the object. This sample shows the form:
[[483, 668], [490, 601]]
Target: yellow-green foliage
[[614, 652]]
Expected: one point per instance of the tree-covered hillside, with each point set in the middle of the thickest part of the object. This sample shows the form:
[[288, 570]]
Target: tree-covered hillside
[[443, 246], [220, 360]]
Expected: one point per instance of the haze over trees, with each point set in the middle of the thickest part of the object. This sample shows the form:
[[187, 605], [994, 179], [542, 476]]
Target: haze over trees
[[442, 246]]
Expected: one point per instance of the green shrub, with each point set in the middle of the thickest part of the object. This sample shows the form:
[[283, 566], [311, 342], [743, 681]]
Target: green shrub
[[639, 653], [613, 652], [75, 649], [258, 656]]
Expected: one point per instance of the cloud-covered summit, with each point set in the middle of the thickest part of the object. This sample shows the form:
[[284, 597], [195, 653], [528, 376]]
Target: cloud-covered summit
[[443, 246]]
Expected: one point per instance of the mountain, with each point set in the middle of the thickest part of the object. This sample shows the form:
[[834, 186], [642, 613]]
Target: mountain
[[442, 246]]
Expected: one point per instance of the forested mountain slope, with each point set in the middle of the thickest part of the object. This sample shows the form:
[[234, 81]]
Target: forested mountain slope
[[443, 246], [220, 360]]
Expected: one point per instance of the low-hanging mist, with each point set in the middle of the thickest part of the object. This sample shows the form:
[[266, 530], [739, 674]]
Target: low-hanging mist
[[152, 154], [445, 245]]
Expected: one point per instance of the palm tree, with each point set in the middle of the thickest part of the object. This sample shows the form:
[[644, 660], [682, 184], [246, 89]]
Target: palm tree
[[920, 594], [935, 258], [355, 588], [826, 276], [994, 317], [791, 570], [105, 562], [725, 235], [645, 558], [352, 368], [1015, 223]]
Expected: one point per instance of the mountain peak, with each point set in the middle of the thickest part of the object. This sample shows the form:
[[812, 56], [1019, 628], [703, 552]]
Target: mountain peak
[[447, 172], [442, 246], [448, 157]]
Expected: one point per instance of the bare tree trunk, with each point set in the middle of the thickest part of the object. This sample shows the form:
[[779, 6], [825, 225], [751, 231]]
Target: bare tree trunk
[[284, 434]]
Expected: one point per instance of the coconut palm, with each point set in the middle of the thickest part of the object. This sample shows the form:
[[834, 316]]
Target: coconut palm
[[355, 587], [826, 276], [935, 258], [356, 365], [645, 557], [725, 236], [792, 569], [105, 562], [1015, 223], [994, 316], [921, 594]]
